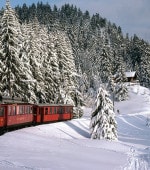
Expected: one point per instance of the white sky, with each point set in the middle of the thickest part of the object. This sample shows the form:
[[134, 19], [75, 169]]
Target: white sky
[[132, 15]]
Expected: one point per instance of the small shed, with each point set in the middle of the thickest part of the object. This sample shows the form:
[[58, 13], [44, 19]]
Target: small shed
[[131, 76]]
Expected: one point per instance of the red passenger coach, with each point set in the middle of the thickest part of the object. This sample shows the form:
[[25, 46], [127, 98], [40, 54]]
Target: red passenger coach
[[44, 113], [12, 115], [2, 117], [15, 114]]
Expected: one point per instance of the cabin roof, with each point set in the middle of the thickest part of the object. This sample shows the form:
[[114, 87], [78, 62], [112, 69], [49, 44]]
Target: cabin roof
[[130, 74]]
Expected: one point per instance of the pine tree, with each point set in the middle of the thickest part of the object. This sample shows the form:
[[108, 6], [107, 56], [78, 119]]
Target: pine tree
[[67, 68], [69, 90], [143, 72], [97, 46], [111, 88], [51, 71], [121, 90], [103, 124], [28, 82], [12, 70], [105, 65], [34, 51]]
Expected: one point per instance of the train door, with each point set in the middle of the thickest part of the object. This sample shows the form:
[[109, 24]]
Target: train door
[[36, 114], [3, 118], [61, 112], [41, 112]]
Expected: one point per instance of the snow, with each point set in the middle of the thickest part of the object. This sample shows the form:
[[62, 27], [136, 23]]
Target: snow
[[67, 145], [130, 74]]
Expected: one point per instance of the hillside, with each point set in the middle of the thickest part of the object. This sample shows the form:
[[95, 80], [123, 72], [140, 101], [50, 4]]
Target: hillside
[[67, 145], [96, 42], [61, 55]]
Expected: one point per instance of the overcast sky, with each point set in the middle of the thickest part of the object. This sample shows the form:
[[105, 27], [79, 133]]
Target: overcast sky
[[132, 15]]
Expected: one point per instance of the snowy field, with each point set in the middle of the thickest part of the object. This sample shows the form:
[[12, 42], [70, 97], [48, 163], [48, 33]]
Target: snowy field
[[67, 145]]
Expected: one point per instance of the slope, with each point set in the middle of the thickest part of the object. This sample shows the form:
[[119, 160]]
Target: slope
[[67, 145]]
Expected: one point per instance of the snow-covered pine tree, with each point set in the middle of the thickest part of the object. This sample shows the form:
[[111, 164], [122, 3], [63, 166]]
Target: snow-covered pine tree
[[121, 90], [144, 68], [111, 88], [83, 83], [103, 124], [105, 64], [34, 51], [12, 70], [25, 57], [68, 81], [111, 84], [51, 70], [66, 66]]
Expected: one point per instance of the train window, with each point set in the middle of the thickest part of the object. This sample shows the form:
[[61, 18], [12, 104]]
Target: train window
[[31, 109], [13, 110], [51, 110], [21, 109], [27, 109], [2, 111], [55, 110], [61, 110], [46, 111], [70, 109], [66, 109], [9, 110]]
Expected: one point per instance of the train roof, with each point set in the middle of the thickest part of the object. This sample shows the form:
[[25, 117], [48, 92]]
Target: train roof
[[10, 100], [14, 103], [48, 104]]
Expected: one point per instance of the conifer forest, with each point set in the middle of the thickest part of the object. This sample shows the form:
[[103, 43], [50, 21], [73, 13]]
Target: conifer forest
[[62, 55]]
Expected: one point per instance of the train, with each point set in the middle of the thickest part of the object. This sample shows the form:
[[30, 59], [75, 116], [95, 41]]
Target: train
[[15, 114]]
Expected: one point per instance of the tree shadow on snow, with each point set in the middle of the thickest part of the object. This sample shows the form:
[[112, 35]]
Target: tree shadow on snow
[[80, 131]]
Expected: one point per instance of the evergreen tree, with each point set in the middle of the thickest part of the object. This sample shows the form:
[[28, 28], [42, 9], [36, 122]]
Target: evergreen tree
[[12, 72], [103, 124], [96, 47], [121, 90], [36, 59], [29, 84], [111, 88], [144, 68], [51, 70], [69, 90], [67, 68], [105, 63], [23, 13]]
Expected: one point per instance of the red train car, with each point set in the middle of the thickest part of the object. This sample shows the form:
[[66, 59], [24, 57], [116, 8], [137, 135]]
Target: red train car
[[44, 113], [15, 114]]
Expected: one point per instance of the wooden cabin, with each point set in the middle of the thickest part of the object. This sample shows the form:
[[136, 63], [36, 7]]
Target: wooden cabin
[[131, 76]]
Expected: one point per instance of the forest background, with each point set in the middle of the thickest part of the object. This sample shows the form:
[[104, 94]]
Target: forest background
[[62, 55]]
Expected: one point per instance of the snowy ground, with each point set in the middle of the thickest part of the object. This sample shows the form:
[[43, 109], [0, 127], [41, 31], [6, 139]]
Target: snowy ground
[[67, 145]]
